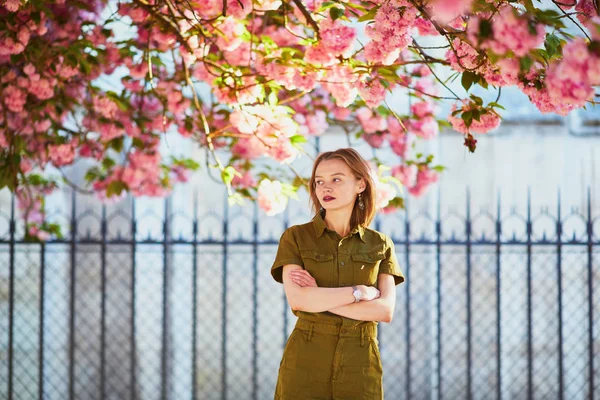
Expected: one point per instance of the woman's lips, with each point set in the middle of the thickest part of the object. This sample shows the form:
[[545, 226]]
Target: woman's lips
[[328, 198]]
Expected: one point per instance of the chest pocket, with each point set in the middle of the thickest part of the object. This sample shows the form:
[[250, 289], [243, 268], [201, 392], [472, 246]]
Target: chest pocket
[[366, 267], [319, 265]]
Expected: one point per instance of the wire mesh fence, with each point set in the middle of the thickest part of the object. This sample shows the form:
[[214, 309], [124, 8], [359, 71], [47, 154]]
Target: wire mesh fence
[[167, 304]]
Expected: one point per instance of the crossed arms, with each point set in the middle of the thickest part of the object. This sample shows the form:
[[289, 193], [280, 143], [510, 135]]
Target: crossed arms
[[303, 294]]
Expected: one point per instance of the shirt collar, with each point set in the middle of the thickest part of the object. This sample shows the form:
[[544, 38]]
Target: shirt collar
[[320, 226]]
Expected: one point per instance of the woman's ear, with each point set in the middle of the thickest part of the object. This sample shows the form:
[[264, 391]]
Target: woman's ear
[[361, 185]]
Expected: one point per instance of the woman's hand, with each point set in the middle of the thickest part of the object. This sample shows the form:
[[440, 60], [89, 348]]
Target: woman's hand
[[303, 278], [368, 292]]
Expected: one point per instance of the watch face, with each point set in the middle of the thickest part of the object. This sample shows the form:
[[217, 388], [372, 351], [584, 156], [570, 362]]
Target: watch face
[[357, 294]]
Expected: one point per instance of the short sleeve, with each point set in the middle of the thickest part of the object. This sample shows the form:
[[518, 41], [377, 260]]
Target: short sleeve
[[390, 264], [287, 253]]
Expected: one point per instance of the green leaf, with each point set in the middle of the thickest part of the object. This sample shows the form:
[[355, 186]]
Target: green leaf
[[115, 188], [108, 163], [525, 63], [370, 15], [92, 174], [297, 139], [485, 29], [117, 144], [468, 78], [228, 174], [467, 116], [336, 13], [496, 105], [478, 100], [552, 45]]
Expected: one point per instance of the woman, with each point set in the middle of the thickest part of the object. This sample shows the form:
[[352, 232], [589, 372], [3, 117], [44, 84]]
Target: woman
[[339, 278]]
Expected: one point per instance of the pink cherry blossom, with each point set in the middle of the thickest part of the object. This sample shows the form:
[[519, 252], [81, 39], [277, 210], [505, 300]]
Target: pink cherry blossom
[[370, 121], [340, 81], [244, 182], [571, 79], [372, 92], [14, 98], [338, 39], [406, 174], [425, 177], [511, 32], [11, 5], [62, 154], [447, 10], [270, 197], [426, 128], [249, 149], [488, 120]]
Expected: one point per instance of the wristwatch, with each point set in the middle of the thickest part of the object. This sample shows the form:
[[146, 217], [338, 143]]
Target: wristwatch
[[357, 294]]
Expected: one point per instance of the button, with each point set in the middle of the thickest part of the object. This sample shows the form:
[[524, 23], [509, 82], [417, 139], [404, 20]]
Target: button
[[343, 330], [319, 257], [342, 263], [369, 258]]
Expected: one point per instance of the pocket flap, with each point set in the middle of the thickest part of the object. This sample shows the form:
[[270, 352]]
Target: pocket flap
[[368, 257], [313, 255]]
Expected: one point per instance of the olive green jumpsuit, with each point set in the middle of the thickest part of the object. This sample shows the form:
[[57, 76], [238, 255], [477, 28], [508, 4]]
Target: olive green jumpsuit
[[328, 356]]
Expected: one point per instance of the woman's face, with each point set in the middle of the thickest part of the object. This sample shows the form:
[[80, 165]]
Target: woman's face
[[336, 186]]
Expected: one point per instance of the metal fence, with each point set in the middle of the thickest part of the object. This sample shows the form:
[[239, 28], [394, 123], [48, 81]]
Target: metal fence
[[170, 304]]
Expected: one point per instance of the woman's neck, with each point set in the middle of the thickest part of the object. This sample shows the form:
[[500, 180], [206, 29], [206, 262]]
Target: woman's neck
[[339, 221]]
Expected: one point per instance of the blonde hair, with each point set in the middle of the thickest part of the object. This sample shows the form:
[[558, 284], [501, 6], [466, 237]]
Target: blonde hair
[[361, 169]]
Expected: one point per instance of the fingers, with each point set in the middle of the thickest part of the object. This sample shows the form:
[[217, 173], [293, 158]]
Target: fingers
[[302, 278]]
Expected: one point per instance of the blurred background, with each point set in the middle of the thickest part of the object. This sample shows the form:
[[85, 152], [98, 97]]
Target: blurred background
[[173, 299]]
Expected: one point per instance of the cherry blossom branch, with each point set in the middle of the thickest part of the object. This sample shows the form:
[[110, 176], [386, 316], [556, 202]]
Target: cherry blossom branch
[[308, 17]]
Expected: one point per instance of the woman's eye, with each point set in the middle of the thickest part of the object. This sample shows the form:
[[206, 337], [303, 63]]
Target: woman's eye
[[336, 179], [319, 182]]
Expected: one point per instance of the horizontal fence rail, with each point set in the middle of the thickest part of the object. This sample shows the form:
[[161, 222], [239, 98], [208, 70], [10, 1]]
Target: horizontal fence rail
[[165, 303]]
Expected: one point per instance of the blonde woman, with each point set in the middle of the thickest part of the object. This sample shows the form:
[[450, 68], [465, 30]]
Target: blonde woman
[[339, 278]]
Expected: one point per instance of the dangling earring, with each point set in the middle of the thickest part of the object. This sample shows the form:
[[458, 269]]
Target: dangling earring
[[361, 205]]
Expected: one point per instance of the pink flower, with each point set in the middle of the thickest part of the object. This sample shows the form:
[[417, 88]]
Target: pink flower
[[105, 107], [249, 149], [369, 121], [406, 174], [271, 198], [511, 32], [29, 69], [571, 79], [43, 89], [282, 150], [426, 128], [229, 33], [425, 27], [37, 232], [447, 10], [402, 144], [337, 38], [422, 109], [425, 177], [14, 98], [585, 9], [317, 123], [340, 81], [244, 182], [372, 92], [374, 139], [11, 5], [62, 154], [377, 53], [463, 56], [319, 54], [341, 113], [488, 120]]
